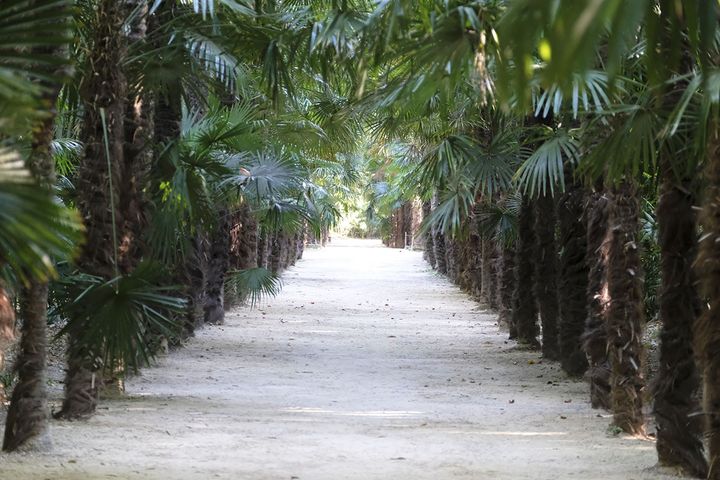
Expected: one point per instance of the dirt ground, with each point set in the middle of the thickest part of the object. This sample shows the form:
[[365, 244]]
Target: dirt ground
[[367, 366]]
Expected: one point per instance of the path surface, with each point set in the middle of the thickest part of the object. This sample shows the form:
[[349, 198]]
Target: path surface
[[368, 367]]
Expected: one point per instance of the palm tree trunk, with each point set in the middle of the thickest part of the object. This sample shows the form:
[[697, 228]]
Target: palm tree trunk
[[486, 269], [137, 154], [707, 336], [276, 253], [573, 278], [218, 265], [7, 331], [26, 425], [451, 258], [625, 310], [103, 94], [264, 246], [438, 243], [679, 430], [429, 252], [595, 335], [506, 286], [525, 313], [545, 285]]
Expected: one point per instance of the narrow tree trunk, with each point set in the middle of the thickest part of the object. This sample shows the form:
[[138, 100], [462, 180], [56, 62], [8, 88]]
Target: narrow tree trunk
[[276, 253], [474, 268], [103, 94], [679, 430], [195, 274], [264, 246], [486, 260], [137, 154], [429, 252], [439, 243], [26, 425], [301, 241], [7, 331], [494, 275], [451, 258], [545, 285], [625, 311], [595, 336], [707, 336], [573, 278], [525, 313], [506, 288], [217, 269]]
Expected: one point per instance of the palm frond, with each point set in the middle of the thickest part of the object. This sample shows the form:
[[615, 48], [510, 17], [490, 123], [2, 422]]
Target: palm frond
[[114, 322], [255, 284]]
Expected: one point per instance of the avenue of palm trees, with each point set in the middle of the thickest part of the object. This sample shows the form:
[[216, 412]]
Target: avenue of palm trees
[[163, 161]]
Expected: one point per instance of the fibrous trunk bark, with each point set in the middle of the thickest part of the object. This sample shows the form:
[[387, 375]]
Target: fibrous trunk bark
[[451, 258], [429, 252], [7, 331], [707, 337], [595, 335], [679, 429], [573, 278], [26, 425], [218, 265], [506, 287], [103, 93], [545, 285], [525, 313], [625, 310]]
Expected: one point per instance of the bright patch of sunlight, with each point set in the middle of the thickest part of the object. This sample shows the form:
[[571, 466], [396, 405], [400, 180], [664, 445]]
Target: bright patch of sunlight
[[370, 413]]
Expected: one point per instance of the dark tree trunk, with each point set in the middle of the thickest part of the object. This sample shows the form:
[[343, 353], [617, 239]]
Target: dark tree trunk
[[103, 93], [264, 247], [439, 243], [276, 253], [26, 424], [545, 285], [494, 275], [679, 429], [302, 238], [218, 265], [451, 258], [625, 311], [595, 336], [707, 336], [573, 278], [486, 270], [429, 253], [475, 261], [525, 313], [506, 287], [195, 277], [7, 331], [137, 154]]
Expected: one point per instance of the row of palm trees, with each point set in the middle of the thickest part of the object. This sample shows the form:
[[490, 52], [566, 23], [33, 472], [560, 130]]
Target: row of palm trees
[[160, 161], [537, 132]]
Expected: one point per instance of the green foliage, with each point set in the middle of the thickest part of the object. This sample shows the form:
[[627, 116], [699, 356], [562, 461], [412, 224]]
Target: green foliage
[[36, 230], [116, 321], [254, 284]]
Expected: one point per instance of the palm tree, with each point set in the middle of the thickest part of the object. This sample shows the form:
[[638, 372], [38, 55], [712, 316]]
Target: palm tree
[[525, 312], [572, 276], [27, 419], [595, 335], [545, 286]]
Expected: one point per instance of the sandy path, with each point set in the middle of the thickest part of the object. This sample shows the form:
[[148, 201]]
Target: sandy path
[[368, 366]]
